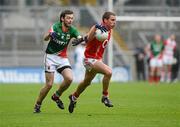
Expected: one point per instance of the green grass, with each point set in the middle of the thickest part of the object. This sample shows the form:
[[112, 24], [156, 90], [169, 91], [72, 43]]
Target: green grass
[[135, 105]]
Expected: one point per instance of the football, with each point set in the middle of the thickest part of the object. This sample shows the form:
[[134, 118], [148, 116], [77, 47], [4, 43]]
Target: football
[[101, 36]]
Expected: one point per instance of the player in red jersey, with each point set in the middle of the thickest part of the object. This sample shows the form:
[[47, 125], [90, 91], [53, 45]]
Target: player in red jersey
[[168, 58], [93, 60]]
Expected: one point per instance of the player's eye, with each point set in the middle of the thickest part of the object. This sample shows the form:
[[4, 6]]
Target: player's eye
[[68, 17]]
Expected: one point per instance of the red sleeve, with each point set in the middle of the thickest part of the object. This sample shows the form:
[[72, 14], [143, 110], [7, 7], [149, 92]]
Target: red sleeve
[[51, 29], [165, 42]]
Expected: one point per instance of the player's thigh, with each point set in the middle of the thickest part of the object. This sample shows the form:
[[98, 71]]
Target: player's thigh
[[67, 74], [88, 63], [153, 62], [153, 65], [159, 63], [166, 60], [49, 65], [100, 67], [89, 75], [63, 67]]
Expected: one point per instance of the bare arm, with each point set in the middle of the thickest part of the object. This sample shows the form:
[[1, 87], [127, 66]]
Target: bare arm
[[148, 50], [91, 33], [89, 36]]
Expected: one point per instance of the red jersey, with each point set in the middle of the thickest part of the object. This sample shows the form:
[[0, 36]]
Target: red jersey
[[170, 46], [95, 48]]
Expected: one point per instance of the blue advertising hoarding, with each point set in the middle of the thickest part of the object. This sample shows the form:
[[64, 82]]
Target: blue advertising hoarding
[[36, 75]]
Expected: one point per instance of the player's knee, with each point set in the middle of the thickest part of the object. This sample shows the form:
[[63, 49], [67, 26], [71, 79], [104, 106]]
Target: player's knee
[[68, 80], [49, 85], [151, 73], [109, 73]]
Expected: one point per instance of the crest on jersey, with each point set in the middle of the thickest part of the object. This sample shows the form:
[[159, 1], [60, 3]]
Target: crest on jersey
[[67, 36], [104, 43], [62, 37]]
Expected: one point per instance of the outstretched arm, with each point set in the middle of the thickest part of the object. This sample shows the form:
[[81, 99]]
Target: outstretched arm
[[90, 35], [85, 38]]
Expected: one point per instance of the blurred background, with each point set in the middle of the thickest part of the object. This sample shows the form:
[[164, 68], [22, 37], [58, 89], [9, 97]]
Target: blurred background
[[23, 23]]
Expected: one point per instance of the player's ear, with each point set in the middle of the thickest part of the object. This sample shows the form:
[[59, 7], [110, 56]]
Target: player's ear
[[105, 21], [62, 19]]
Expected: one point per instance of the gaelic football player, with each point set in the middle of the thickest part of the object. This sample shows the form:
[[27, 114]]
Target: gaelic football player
[[155, 50], [168, 57], [93, 63], [55, 58]]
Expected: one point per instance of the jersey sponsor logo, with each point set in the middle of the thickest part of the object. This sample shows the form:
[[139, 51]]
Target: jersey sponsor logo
[[59, 42]]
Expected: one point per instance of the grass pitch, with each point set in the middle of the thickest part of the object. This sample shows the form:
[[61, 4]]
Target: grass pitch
[[135, 105]]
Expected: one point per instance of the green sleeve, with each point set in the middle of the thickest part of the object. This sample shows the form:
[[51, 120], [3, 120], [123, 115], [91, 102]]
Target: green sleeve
[[54, 27], [75, 33]]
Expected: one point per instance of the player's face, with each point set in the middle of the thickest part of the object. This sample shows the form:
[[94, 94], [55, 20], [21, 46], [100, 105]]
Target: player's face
[[111, 22], [172, 37], [68, 19], [157, 38]]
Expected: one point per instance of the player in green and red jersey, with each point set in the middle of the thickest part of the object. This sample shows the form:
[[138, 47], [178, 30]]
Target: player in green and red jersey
[[155, 50], [56, 59]]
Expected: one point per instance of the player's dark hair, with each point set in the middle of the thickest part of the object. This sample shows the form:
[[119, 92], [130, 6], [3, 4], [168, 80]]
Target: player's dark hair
[[107, 15], [64, 13]]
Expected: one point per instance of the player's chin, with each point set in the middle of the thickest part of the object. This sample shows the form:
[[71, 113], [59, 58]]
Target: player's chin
[[68, 24], [112, 26]]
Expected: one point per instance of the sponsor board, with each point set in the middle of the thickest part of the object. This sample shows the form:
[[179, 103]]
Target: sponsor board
[[36, 75]]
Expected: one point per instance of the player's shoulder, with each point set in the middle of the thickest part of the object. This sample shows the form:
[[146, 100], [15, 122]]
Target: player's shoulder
[[57, 25], [73, 28], [152, 42]]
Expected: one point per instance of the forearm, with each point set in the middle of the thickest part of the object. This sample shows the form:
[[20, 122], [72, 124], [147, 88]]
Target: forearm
[[79, 40]]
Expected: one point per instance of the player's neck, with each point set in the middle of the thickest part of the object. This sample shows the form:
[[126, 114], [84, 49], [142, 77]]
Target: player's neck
[[65, 28], [105, 26]]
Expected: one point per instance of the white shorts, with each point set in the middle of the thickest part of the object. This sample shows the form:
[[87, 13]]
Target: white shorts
[[53, 62], [88, 62], [167, 60], [155, 62]]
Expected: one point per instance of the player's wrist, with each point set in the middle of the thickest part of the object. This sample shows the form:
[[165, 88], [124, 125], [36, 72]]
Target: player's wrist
[[85, 38], [79, 40]]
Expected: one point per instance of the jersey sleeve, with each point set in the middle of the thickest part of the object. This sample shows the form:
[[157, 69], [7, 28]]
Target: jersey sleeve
[[52, 28], [75, 33], [165, 42]]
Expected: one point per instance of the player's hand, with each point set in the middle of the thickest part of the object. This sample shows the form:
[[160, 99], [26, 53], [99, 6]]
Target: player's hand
[[102, 28], [77, 41], [160, 56]]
